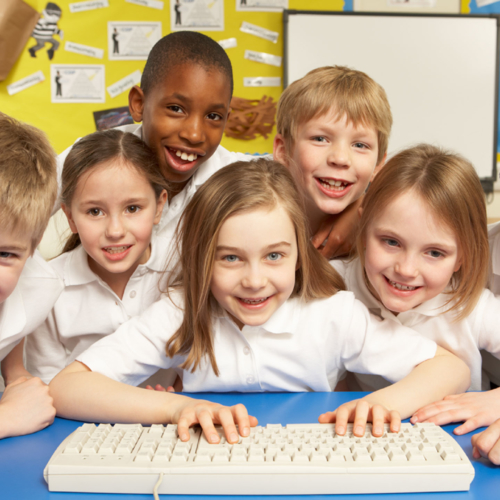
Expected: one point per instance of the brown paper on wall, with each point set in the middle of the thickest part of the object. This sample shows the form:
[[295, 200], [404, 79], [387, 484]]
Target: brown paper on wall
[[250, 118], [17, 21]]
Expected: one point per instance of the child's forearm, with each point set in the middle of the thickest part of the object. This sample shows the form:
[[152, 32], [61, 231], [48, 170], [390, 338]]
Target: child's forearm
[[13, 365], [431, 380], [85, 395]]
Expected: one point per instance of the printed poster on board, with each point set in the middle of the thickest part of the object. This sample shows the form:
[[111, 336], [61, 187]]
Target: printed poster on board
[[261, 5], [132, 41], [201, 15], [77, 83]]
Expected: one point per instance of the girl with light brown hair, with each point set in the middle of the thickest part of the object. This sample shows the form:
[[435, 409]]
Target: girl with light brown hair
[[252, 307], [423, 262]]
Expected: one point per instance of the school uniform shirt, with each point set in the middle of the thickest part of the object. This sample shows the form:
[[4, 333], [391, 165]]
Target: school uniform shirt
[[29, 304], [464, 338], [302, 347], [88, 309]]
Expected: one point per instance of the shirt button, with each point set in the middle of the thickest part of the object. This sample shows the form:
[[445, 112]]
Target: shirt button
[[246, 350], [249, 380], [133, 293]]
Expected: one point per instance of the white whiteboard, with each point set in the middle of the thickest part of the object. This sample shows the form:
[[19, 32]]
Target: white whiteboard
[[439, 72]]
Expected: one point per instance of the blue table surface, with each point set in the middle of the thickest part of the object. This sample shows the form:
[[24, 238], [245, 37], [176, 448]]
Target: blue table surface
[[22, 459]]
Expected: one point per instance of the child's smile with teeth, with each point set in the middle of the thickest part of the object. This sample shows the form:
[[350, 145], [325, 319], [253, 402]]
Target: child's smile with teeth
[[253, 301], [184, 156], [117, 249], [400, 286], [333, 184]]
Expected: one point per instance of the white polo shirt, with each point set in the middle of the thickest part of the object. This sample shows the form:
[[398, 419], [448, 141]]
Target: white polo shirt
[[480, 330], [494, 237], [88, 309], [29, 304], [174, 208], [302, 347]]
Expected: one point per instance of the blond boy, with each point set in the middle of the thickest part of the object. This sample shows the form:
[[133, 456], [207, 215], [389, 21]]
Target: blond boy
[[333, 130], [28, 287]]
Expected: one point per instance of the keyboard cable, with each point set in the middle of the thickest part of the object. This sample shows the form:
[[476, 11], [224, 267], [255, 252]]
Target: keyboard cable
[[157, 485]]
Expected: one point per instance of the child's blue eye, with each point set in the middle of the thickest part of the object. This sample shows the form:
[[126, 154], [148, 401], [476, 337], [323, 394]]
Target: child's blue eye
[[231, 258], [274, 256], [391, 242], [360, 145], [319, 139], [6, 255]]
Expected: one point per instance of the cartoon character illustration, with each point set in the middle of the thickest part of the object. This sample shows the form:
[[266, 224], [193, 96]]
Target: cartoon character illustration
[[45, 30]]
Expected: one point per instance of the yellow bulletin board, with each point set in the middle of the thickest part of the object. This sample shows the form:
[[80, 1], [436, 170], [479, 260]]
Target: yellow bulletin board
[[64, 123]]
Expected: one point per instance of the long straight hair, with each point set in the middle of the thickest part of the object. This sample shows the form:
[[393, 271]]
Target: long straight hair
[[100, 147], [450, 187], [239, 187]]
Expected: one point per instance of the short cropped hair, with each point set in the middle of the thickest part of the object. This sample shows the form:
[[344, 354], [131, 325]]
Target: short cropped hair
[[184, 47], [28, 179], [449, 185], [349, 92]]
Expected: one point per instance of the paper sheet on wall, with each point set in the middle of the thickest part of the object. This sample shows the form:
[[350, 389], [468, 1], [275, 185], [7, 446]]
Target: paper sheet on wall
[[132, 41], [77, 83], [261, 5], [88, 5], [201, 15], [26, 82], [412, 3], [84, 50]]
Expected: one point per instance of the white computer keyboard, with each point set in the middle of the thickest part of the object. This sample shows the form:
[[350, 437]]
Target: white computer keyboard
[[274, 460]]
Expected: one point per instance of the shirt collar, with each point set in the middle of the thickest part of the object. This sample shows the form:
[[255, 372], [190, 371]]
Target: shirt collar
[[158, 257], [284, 319], [76, 268]]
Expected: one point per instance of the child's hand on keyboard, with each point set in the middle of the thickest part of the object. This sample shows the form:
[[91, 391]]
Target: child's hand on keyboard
[[478, 409], [205, 413], [487, 443], [361, 411], [25, 407]]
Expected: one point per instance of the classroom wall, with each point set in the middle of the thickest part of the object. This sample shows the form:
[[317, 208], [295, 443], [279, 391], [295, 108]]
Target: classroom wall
[[64, 123]]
